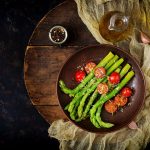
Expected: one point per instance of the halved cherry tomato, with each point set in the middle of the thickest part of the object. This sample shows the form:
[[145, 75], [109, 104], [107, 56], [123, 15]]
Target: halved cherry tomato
[[100, 72], [110, 106], [126, 92], [114, 78], [89, 67], [120, 100], [79, 75], [102, 88]]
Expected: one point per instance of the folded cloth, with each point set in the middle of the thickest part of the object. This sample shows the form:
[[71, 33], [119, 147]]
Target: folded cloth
[[74, 138]]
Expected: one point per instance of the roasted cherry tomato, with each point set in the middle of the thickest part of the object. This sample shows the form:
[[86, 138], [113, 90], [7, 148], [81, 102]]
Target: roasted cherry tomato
[[120, 100], [100, 72], [89, 67], [102, 88], [79, 75], [114, 78], [126, 92], [110, 106]]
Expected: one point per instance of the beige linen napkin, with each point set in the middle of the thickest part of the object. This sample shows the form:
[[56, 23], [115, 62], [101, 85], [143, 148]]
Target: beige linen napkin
[[73, 138]]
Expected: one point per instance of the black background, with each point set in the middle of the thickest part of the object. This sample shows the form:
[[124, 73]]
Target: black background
[[20, 124]]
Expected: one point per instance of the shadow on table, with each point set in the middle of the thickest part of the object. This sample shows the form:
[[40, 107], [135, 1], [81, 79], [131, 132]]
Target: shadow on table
[[43, 144]]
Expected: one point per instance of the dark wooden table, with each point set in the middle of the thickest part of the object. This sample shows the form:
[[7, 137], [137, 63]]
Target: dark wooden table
[[43, 59]]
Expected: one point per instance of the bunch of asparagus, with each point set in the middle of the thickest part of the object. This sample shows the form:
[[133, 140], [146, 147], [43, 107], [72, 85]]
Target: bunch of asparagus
[[83, 104]]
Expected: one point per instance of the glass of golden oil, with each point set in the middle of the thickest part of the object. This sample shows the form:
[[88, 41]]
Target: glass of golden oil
[[115, 26]]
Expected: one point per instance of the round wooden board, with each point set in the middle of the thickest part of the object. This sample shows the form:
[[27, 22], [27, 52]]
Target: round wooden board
[[43, 60]]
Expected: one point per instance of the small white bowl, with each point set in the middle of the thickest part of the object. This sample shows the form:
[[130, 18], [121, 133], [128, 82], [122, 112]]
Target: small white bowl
[[57, 41]]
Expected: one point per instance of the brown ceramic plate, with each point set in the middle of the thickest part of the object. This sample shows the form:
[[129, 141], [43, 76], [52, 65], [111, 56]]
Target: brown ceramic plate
[[95, 53]]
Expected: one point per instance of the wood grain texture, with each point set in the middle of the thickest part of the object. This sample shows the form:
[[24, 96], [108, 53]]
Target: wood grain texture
[[41, 68], [43, 60], [66, 15], [51, 113]]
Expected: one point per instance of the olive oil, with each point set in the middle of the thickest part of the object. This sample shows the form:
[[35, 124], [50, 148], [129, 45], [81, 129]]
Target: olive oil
[[114, 26]]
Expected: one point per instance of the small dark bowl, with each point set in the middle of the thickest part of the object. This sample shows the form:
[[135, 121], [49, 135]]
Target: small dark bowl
[[95, 53]]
